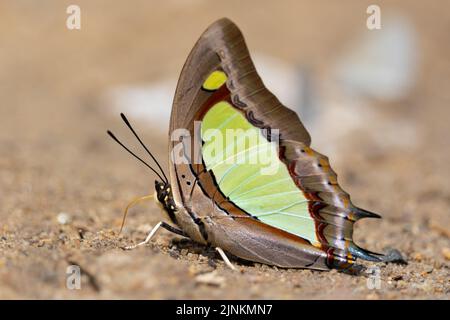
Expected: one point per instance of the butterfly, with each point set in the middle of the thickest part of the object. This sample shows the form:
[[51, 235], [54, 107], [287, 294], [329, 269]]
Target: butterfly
[[243, 177]]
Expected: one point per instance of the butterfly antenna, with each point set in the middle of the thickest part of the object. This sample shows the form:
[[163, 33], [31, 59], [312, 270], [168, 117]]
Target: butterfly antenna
[[142, 144], [133, 154]]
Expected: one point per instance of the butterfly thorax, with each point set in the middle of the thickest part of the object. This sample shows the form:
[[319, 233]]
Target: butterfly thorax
[[165, 199]]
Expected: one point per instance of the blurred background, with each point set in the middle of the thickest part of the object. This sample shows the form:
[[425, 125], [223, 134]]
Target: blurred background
[[375, 101]]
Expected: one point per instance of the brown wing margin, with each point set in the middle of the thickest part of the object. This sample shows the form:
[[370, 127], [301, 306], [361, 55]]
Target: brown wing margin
[[222, 46]]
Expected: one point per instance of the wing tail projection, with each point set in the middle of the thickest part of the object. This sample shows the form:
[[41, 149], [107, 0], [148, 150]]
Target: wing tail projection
[[361, 213]]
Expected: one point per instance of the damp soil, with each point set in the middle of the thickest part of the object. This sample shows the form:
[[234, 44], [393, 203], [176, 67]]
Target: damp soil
[[64, 184]]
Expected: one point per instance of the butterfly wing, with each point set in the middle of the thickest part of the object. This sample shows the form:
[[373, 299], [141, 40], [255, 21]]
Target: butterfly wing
[[296, 216]]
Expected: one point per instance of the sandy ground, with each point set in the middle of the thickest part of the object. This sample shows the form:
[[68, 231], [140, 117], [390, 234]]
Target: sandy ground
[[56, 158]]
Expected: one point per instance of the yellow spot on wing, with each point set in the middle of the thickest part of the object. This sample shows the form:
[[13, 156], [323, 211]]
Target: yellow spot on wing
[[215, 80]]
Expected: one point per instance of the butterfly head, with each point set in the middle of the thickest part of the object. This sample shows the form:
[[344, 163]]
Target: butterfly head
[[163, 191]]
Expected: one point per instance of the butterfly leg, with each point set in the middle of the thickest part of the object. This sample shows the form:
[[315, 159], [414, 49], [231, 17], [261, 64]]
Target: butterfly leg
[[172, 229], [225, 258], [153, 232], [147, 240]]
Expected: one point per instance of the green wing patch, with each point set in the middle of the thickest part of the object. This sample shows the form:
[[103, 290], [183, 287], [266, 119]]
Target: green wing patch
[[250, 174]]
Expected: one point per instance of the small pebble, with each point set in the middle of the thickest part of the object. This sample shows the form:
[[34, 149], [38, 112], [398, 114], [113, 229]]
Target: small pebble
[[211, 279], [63, 218], [446, 253], [417, 256], [174, 254], [429, 269]]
